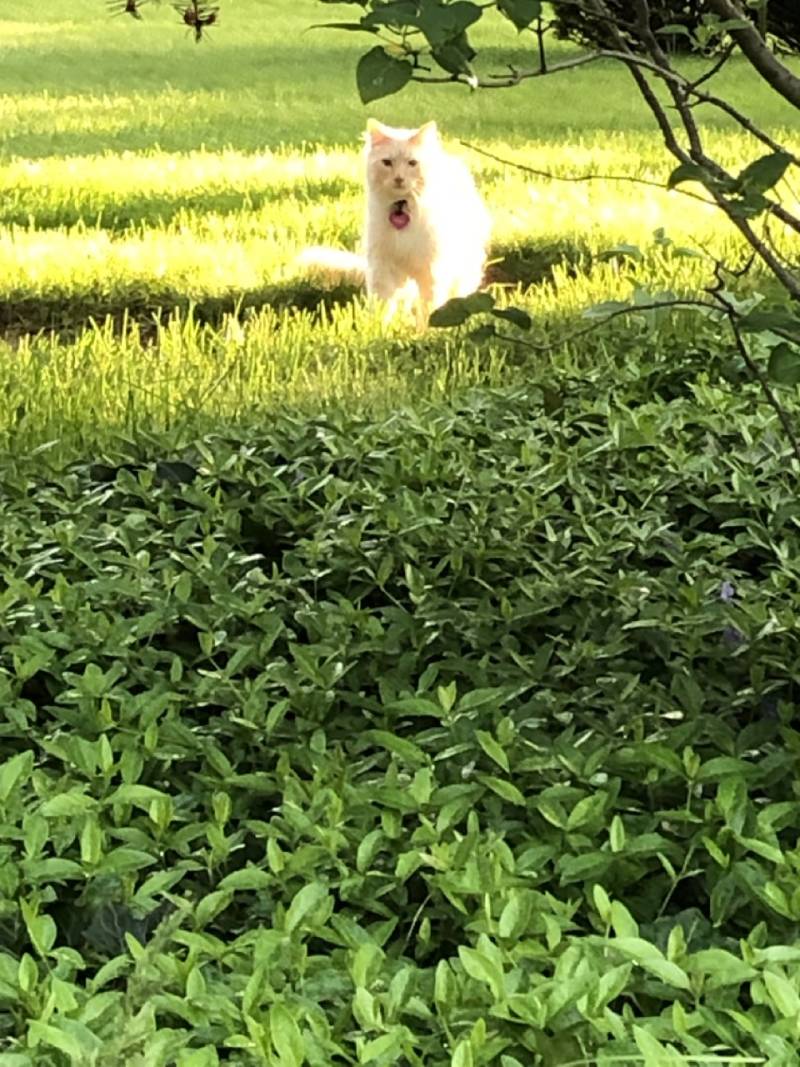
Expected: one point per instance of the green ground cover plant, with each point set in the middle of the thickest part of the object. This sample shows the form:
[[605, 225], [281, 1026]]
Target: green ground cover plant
[[463, 736]]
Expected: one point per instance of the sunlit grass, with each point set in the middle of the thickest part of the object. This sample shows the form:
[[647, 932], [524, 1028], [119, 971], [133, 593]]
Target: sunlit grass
[[154, 196]]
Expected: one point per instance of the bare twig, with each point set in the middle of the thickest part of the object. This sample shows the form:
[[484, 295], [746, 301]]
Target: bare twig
[[745, 122], [584, 177], [715, 68]]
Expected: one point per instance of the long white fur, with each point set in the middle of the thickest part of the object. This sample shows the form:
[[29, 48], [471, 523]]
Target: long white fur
[[334, 263], [442, 251]]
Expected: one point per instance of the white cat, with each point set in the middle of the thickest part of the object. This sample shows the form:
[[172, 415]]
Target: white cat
[[426, 227]]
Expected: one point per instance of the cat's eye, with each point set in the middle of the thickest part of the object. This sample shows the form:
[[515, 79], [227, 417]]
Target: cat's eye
[[386, 162], [412, 162]]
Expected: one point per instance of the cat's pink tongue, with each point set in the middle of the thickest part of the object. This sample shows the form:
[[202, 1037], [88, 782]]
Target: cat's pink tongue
[[398, 216]]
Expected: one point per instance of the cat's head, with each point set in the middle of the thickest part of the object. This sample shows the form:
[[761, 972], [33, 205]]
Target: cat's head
[[399, 160]]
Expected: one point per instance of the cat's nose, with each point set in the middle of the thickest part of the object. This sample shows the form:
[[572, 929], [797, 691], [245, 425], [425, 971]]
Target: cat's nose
[[399, 182]]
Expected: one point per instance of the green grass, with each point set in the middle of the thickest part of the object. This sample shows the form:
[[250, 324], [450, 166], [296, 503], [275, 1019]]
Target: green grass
[[74, 81], [166, 188]]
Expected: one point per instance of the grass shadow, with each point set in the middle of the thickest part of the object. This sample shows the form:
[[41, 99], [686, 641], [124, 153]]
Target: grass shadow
[[532, 263], [159, 209], [523, 265]]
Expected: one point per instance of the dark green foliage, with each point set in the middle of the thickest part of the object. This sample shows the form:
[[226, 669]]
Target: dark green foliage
[[674, 20], [462, 738]]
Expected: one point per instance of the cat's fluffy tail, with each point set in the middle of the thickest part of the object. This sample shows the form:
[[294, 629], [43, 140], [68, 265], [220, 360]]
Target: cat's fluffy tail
[[334, 264]]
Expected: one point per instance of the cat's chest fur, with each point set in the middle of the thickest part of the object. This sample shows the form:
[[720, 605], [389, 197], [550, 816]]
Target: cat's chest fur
[[417, 242]]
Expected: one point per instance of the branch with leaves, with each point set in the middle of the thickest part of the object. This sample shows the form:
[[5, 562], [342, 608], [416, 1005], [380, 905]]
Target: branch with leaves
[[194, 14]]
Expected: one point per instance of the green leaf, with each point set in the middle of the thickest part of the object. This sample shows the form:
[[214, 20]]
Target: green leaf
[[378, 74], [443, 23], [621, 251], [655, 1054], [674, 28], [286, 1037], [622, 921], [479, 966], [351, 27], [763, 173], [211, 905], [141, 796], [520, 12], [687, 172], [40, 1033], [606, 308], [582, 868], [485, 332], [387, 1048], [66, 805], [504, 789], [783, 994], [651, 959], [720, 968], [246, 878], [610, 984], [455, 56], [306, 901], [784, 364], [602, 902], [616, 834], [457, 310], [588, 810], [516, 316], [462, 1054], [514, 916], [13, 771], [398, 746], [492, 749], [764, 319]]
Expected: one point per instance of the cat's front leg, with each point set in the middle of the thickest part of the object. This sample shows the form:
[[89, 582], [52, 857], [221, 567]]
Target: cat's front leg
[[434, 290], [388, 286]]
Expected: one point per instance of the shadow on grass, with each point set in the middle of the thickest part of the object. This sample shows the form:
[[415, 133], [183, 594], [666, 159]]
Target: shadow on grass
[[162, 208], [523, 265]]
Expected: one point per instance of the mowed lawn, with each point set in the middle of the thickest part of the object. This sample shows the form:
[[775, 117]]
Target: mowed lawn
[[154, 195]]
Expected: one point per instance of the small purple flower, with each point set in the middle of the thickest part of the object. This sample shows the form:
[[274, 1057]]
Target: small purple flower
[[727, 593], [733, 636]]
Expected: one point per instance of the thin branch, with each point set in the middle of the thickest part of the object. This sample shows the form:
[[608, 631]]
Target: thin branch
[[584, 177], [646, 90], [675, 88], [507, 81], [632, 309], [540, 32], [785, 216], [715, 68], [788, 280], [666, 73]]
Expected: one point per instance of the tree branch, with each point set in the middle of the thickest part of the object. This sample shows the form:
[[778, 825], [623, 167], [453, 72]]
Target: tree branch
[[778, 76], [632, 309]]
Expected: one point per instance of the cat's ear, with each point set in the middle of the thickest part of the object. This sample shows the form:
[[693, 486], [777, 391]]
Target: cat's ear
[[377, 133], [428, 133]]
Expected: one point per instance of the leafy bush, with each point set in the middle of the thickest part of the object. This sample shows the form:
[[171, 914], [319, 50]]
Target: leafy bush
[[461, 738]]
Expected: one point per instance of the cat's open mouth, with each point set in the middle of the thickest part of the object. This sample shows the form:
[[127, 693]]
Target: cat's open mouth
[[398, 214]]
